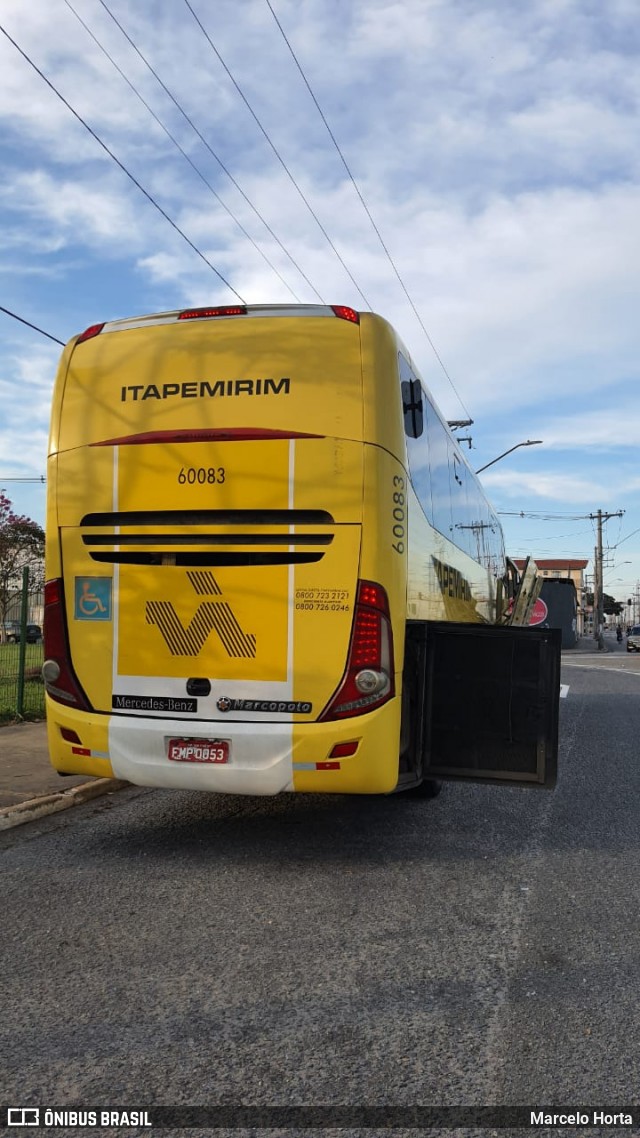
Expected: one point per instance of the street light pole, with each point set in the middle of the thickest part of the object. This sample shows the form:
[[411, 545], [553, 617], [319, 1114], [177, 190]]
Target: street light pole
[[528, 443]]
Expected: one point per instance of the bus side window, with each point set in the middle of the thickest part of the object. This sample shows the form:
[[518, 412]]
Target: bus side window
[[412, 408], [438, 451]]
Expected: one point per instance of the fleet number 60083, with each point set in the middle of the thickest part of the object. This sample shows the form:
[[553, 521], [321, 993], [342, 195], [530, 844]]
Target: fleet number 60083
[[201, 475], [399, 514]]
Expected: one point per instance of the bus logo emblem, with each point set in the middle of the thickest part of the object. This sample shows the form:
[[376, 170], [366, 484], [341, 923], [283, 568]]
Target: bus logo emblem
[[213, 614]]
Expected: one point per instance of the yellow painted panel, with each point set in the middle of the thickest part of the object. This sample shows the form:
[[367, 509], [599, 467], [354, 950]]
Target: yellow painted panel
[[223, 623], [91, 641], [324, 600], [85, 483], [328, 476], [203, 476], [297, 373], [93, 732], [384, 534], [372, 770]]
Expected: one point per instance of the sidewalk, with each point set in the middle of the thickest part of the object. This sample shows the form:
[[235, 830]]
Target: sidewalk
[[25, 770], [29, 786]]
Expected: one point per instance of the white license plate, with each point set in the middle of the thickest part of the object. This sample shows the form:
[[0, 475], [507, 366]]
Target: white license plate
[[198, 750]]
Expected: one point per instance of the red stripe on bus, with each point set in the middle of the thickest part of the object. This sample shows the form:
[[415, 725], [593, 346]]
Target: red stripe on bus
[[211, 434]]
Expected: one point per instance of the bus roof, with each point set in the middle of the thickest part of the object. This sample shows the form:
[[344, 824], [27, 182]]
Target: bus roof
[[212, 312]]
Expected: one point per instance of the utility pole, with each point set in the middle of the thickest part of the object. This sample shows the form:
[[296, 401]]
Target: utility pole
[[595, 608], [598, 591]]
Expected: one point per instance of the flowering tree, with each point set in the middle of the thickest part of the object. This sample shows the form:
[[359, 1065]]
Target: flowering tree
[[21, 543]]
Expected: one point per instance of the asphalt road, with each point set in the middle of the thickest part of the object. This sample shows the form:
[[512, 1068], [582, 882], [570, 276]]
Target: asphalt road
[[176, 948]]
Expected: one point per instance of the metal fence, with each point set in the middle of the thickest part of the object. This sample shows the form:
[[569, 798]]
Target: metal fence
[[21, 655]]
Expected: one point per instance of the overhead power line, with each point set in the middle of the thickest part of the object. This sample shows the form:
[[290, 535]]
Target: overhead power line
[[544, 517], [559, 536], [275, 151], [121, 166], [34, 326], [183, 152], [626, 538], [210, 149], [366, 208]]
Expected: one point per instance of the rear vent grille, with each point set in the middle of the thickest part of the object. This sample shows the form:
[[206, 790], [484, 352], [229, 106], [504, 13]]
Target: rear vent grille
[[208, 559], [208, 547], [211, 518]]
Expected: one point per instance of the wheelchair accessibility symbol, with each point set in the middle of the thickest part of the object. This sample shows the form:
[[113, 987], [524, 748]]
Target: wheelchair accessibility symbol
[[93, 598]]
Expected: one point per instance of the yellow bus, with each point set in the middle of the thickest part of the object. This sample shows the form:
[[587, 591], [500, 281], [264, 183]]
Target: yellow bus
[[270, 567]]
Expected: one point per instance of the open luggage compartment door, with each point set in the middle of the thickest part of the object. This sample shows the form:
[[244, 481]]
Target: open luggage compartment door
[[491, 702], [527, 593]]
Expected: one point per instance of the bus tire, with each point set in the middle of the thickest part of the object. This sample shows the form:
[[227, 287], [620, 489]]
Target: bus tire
[[428, 788]]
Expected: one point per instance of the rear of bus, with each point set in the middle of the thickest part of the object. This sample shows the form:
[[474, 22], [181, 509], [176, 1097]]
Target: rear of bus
[[226, 563]]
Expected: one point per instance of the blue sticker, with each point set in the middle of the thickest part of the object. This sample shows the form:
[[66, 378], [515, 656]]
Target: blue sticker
[[93, 598]]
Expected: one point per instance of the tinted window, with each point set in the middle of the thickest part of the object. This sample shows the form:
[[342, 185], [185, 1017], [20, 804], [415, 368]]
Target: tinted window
[[415, 404], [449, 493], [412, 403], [440, 447]]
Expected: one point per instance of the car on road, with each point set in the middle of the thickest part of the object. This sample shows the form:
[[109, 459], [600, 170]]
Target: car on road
[[33, 632], [633, 639]]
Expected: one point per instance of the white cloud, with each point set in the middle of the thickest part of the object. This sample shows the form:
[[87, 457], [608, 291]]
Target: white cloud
[[610, 428], [495, 144], [76, 210], [554, 486]]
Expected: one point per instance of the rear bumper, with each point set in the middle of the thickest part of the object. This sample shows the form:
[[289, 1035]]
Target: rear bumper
[[265, 758]]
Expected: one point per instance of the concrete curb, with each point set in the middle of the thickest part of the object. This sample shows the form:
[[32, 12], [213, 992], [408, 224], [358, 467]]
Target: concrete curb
[[51, 803]]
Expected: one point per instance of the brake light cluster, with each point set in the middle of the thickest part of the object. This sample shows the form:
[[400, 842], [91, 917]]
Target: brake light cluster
[[90, 332], [345, 313], [342, 311], [368, 679], [57, 672], [221, 310]]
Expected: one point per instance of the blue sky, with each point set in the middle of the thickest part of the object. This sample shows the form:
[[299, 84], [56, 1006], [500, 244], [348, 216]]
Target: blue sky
[[495, 145]]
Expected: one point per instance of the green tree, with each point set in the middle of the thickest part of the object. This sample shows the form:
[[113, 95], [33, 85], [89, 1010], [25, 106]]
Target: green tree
[[610, 606], [21, 543]]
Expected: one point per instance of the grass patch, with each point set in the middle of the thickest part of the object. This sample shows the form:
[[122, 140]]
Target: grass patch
[[33, 706]]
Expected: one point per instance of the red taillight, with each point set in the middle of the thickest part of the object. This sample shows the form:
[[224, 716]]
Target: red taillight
[[345, 313], [344, 750], [70, 736], [53, 591], [58, 674], [203, 313], [368, 679], [90, 332]]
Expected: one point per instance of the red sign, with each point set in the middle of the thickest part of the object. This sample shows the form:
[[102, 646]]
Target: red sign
[[539, 612]]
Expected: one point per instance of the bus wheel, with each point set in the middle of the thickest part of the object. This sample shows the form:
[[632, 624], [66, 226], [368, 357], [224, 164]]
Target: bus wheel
[[428, 788]]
